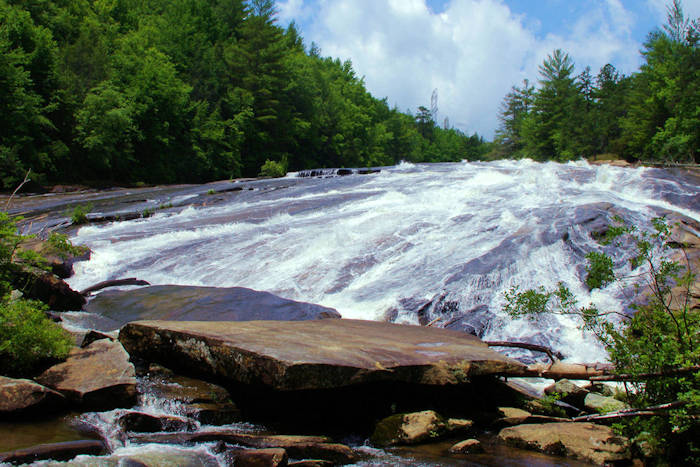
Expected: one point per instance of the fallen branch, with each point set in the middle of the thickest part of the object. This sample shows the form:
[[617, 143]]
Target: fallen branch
[[26, 179], [624, 413], [559, 370], [553, 355], [114, 283], [643, 376]]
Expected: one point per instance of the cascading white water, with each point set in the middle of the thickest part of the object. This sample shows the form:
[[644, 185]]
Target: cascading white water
[[445, 240]]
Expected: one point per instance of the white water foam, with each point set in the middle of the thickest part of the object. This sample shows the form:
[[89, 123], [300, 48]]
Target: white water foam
[[365, 244]]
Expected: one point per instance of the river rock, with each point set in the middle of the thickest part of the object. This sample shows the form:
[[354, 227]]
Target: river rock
[[318, 354], [468, 446], [23, 396], [411, 428], [214, 413], [602, 404], [188, 303], [99, 376], [51, 290], [61, 263], [587, 441], [270, 457], [569, 392], [298, 447], [56, 451]]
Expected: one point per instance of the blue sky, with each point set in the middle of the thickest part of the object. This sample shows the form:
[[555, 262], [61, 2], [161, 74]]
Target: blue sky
[[472, 51]]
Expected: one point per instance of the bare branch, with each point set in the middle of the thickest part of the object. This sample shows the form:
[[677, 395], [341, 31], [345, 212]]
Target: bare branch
[[26, 179], [553, 355]]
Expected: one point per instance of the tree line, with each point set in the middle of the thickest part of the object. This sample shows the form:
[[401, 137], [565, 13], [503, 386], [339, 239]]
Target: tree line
[[651, 115], [156, 91]]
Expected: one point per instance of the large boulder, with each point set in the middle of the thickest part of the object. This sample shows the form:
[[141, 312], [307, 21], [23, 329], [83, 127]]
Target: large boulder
[[98, 377], [188, 303], [50, 289], [20, 397], [592, 443], [407, 429], [602, 404], [320, 354]]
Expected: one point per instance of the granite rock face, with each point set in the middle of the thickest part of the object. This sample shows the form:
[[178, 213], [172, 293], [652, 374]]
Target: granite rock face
[[319, 354]]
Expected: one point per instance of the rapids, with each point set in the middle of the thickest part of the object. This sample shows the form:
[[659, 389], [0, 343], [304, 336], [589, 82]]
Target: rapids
[[410, 244]]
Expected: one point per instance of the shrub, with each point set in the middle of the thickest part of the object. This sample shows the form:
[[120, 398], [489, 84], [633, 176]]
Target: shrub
[[662, 337], [79, 214], [273, 169], [28, 339], [58, 244]]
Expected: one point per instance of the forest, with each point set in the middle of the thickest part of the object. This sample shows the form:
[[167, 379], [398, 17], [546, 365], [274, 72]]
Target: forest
[[156, 91], [652, 115], [127, 92]]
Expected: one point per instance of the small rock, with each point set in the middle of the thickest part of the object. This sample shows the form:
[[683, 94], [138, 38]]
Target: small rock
[[587, 441], [601, 404], [412, 428], [459, 425], [270, 457], [600, 388], [214, 413], [511, 416], [158, 370], [570, 392], [468, 446], [99, 376], [332, 452], [23, 396], [56, 451]]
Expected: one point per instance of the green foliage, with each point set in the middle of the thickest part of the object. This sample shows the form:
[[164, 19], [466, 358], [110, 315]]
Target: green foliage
[[273, 169], [662, 335], [599, 271], [28, 338], [58, 244], [651, 115], [79, 214]]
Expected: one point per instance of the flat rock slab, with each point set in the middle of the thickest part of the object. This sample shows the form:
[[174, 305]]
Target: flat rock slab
[[99, 376], [189, 303], [320, 354], [593, 443]]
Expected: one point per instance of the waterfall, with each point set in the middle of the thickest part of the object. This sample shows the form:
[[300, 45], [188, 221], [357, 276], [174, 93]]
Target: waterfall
[[410, 244]]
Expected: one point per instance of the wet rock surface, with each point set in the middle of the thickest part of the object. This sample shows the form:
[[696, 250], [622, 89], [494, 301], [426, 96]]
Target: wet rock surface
[[187, 303], [593, 443], [99, 376], [315, 354], [56, 451], [21, 397]]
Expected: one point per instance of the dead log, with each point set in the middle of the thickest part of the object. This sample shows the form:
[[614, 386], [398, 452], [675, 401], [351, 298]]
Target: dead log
[[560, 370], [554, 356], [113, 283], [624, 413], [643, 376]]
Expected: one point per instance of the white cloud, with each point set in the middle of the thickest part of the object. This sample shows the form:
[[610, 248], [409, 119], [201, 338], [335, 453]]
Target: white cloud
[[472, 52]]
